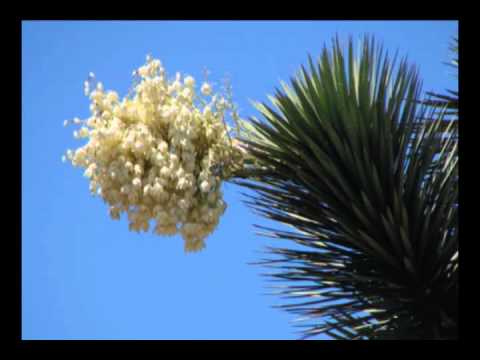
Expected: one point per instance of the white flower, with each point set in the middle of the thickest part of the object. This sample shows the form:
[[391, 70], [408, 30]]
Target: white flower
[[186, 93], [146, 190], [83, 132], [206, 89], [179, 173], [183, 204], [189, 81], [205, 186], [182, 183], [143, 71], [112, 96], [136, 182], [164, 171], [156, 64], [138, 169], [87, 173]]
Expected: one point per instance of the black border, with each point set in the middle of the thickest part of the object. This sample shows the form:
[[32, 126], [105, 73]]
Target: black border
[[198, 346]]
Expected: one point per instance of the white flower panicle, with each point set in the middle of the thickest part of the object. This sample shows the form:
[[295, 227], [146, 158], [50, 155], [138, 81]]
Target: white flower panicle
[[160, 154]]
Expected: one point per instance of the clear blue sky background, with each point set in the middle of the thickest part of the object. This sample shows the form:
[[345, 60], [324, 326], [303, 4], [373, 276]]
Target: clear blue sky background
[[85, 276]]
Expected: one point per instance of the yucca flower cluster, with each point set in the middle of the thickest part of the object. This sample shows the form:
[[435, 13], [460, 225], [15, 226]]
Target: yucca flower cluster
[[159, 154]]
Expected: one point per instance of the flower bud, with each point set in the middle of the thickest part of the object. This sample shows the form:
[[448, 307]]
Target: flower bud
[[206, 89], [189, 81]]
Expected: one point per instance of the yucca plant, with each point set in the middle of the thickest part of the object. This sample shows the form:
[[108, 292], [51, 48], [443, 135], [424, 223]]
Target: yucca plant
[[347, 158], [447, 101]]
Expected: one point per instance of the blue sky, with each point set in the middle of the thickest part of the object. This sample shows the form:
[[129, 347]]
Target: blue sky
[[85, 276]]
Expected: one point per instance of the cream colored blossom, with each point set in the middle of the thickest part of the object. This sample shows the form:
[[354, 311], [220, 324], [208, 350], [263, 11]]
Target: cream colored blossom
[[189, 81], [158, 154], [206, 89]]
